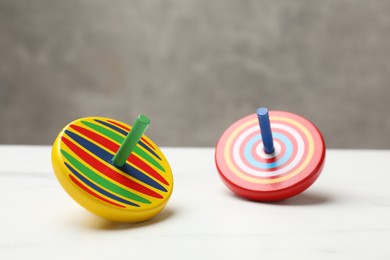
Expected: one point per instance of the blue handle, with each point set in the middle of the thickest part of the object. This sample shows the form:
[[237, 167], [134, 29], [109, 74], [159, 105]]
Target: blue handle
[[265, 129]]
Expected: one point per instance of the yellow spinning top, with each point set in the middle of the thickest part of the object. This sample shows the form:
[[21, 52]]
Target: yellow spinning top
[[112, 169]]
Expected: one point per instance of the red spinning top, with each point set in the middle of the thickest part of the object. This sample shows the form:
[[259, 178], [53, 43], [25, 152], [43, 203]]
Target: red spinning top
[[277, 162]]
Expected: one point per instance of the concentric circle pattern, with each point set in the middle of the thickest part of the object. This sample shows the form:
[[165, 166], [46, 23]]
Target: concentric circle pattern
[[248, 171]]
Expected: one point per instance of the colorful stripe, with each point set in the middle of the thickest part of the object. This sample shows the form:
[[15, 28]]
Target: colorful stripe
[[108, 171], [106, 156], [123, 132], [101, 180], [93, 193], [119, 139], [82, 179], [128, 129], [86, 148], [113, 147]]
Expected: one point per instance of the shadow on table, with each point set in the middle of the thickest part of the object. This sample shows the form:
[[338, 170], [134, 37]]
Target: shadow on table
[[307, 198], [94, 222]]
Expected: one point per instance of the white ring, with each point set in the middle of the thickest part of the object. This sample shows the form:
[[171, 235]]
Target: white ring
[[260, 150], [260, 172]]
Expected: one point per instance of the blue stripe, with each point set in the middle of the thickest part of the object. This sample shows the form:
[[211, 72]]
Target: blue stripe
[[112, 127], [249, 146], [119, 130], [106, 156], [97, 188]]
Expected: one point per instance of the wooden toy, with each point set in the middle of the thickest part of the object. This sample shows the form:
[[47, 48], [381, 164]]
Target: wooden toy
[[279, 161], [112, 169]]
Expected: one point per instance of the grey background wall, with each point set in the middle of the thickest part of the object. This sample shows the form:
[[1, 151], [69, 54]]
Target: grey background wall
[[195, 66]]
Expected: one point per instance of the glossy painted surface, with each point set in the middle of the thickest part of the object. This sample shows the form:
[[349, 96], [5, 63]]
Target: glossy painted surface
[[250, 172], [82, 160]]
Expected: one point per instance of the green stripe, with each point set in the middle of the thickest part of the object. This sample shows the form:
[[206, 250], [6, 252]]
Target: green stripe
[[102, 181], [104, 131], [119, 139]]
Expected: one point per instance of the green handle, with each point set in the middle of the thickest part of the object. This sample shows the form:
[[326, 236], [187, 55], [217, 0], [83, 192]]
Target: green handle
[[131, 140]]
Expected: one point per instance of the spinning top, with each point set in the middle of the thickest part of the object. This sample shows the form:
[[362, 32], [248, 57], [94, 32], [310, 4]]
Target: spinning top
[[112, 169], [275, 161]]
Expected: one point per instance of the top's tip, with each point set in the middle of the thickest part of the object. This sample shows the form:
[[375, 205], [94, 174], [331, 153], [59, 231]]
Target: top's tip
[[262, 111], [144, 119]]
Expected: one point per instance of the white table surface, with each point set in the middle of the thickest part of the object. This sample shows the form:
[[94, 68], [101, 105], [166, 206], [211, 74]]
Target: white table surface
[[344, 215]]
